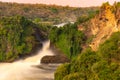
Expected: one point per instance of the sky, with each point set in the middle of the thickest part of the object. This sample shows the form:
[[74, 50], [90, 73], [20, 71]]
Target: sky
[[73, 3]]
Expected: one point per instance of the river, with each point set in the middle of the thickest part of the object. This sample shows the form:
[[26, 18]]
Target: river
[[62, 24], [25, 69]]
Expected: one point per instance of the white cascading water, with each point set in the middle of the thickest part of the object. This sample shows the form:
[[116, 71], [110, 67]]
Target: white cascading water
[[25, 69]]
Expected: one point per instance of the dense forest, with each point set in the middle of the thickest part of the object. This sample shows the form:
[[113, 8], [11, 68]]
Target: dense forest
[[18, 37], [90, 65], [101, 64], [68, 39], [49, 13]]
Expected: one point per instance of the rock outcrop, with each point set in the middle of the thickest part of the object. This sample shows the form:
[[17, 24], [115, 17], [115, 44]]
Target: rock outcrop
[[54, 59], [104, 24]]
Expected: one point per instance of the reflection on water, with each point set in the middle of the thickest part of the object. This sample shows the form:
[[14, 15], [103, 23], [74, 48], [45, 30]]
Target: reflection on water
[[25, 69]]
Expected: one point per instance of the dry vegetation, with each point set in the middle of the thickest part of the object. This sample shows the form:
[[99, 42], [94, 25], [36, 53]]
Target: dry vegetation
[[54, 13]]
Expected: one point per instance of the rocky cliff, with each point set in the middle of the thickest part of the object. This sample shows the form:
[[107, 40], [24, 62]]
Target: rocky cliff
[[104, 24]]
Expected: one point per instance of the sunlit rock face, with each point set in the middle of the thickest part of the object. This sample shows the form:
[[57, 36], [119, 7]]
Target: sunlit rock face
[[104, 24]]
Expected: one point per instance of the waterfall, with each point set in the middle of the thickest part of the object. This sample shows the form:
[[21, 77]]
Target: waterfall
[[24, 70]]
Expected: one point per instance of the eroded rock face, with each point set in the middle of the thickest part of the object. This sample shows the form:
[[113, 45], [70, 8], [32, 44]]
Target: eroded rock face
[[103, 25]]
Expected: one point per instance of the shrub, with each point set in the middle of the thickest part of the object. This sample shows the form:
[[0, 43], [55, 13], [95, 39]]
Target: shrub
[[62, 71], [16, 37], [74, 76]]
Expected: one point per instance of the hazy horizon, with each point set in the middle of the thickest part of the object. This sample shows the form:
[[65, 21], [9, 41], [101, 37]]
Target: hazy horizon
[[72, 3]]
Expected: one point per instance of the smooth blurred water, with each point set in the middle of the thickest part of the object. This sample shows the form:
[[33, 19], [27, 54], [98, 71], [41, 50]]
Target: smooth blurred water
[[25, 69]]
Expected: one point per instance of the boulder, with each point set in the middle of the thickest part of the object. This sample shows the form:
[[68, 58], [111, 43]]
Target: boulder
[[54, 59]]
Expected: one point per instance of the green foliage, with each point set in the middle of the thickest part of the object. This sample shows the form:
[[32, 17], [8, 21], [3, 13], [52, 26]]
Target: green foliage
[[74, 76], [118, 4], [62, 71], [26, 9], [37, 20], [106, 4], [83, 18], [68, 39], [92, 14], [100, 65], [54, 10], [44, 29], [106, 71], [15, 37], [110, 50], [80, 68]]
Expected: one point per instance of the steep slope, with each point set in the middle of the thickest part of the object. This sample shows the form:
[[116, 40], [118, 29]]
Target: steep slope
[[104, 24], [103, 64]]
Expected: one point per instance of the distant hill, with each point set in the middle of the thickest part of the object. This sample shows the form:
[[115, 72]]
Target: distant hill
[[51, 13]]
